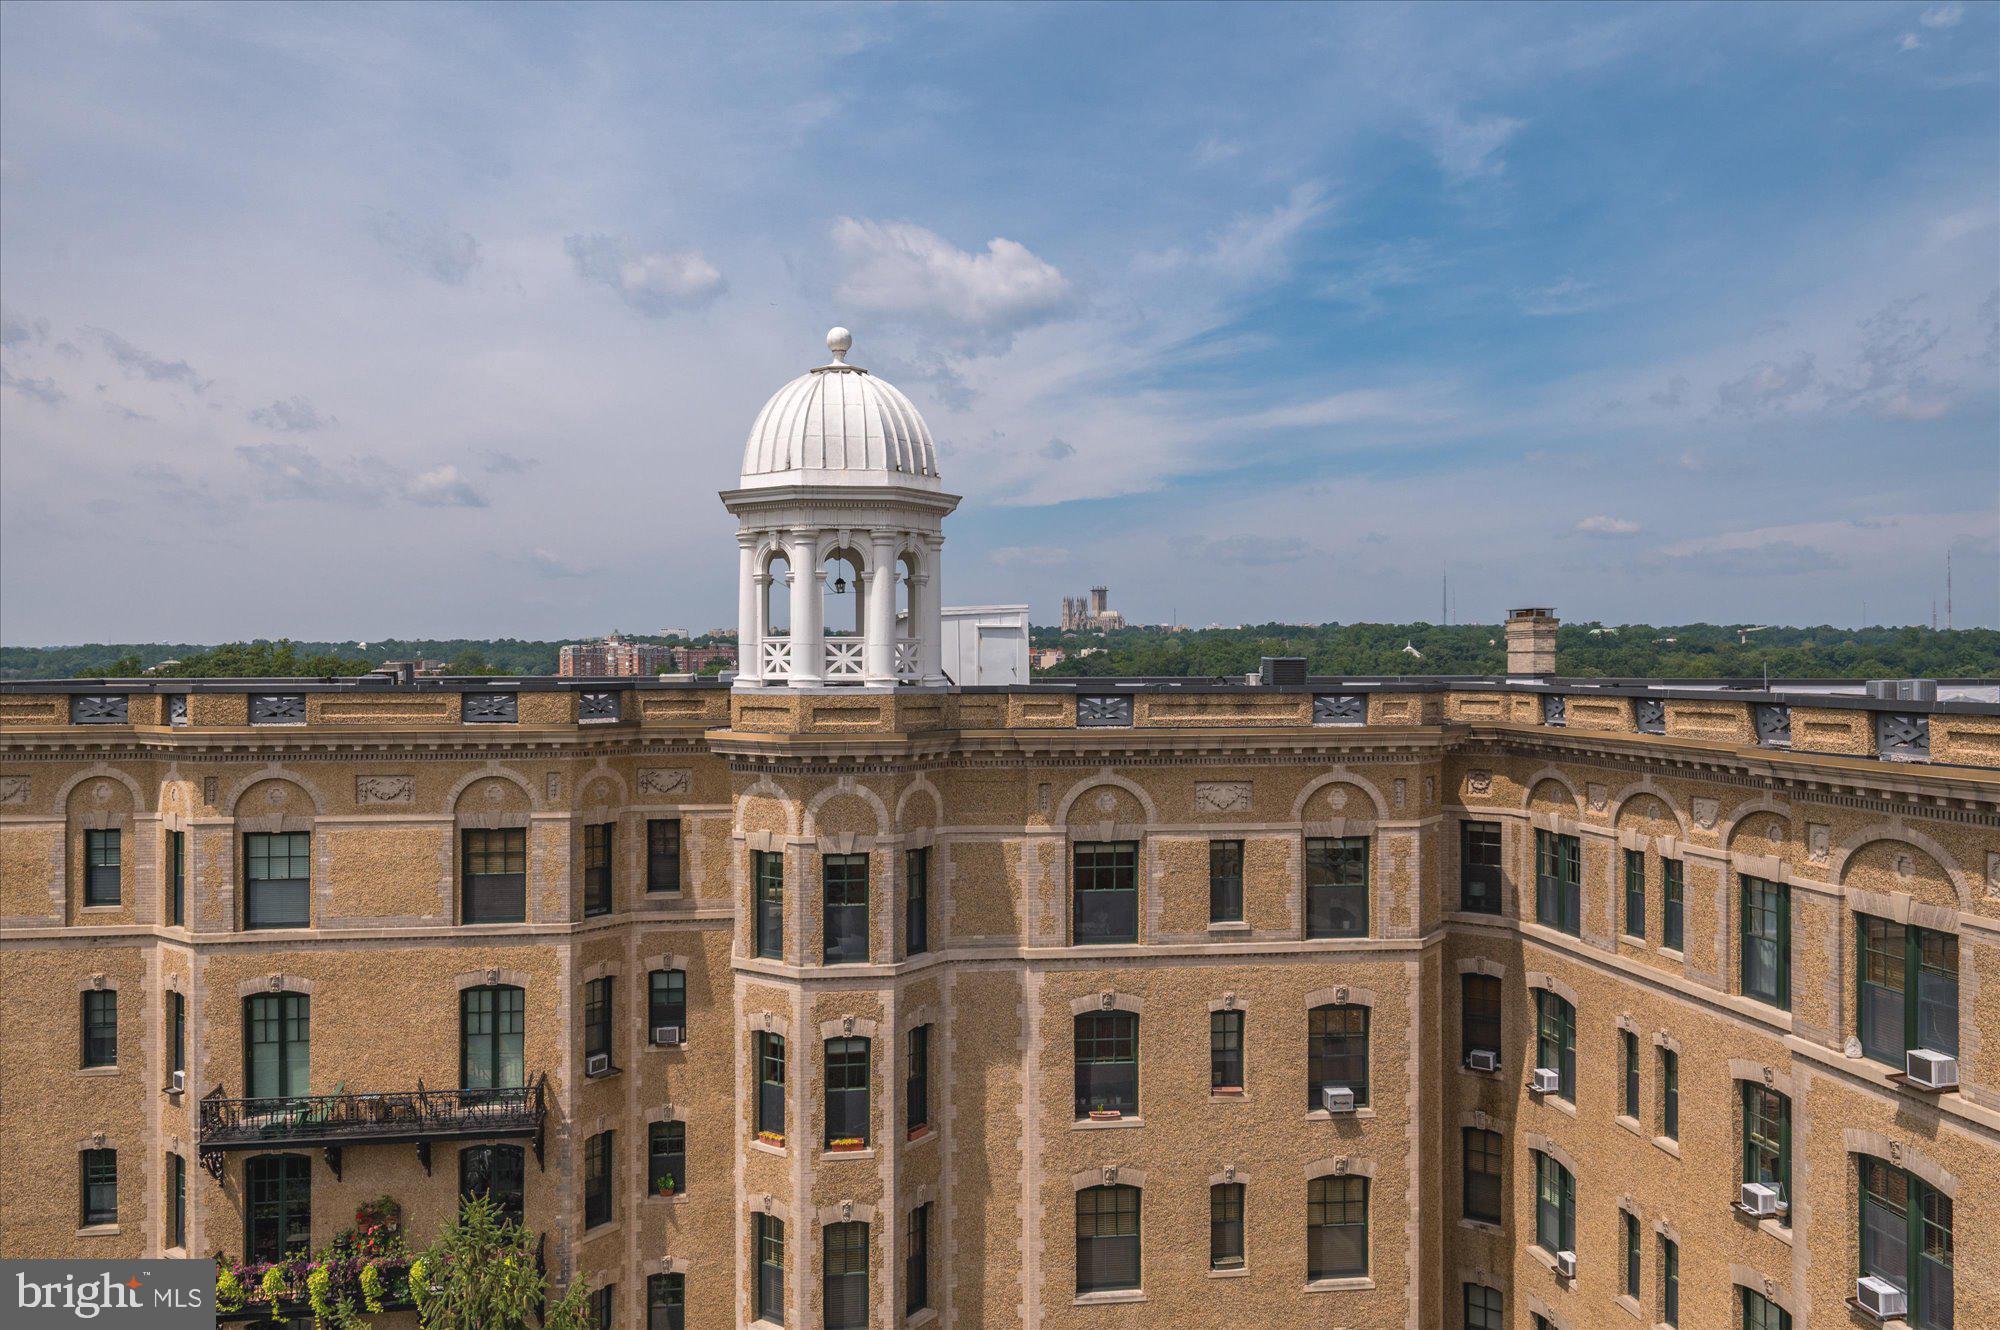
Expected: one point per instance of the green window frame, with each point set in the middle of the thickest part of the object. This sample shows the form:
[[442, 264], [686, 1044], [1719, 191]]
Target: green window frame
[[1225, 881], [177, 878], [277, 879], [493, 874], [1337, 1227], [1907, 1239], [99, 1175], [1631, 1271], [1337, 1051], [1107, 1239], [1559, 882], [1555, 1039], [277, 1206], [1105, 890], [598, 1003], [1673, 910], [847, 1061], [663, 854], [666, 1301], [768, 1238], [597, 869], [597, 1198], [1670, 1094], [917, 1262], [1485, 1162], [1555, 1205], [844, 909], [1337, 887], [666, 1157], [844, 1275], [1760, 1313], [1484, 1308], [1635, 894], [917, 1081], [667, 1001], [100, 1027], [917, 901], [1897, 961], [771, 1083], [1225, 1050], [103, 864], [1628, 1047], [1766, 951], [277, 1045], [1767, 1140], [768, 868], [1106, 1063], [1225, 1226], [491, 1026], [1670, 1281], [1480, 873], [176, 1235]]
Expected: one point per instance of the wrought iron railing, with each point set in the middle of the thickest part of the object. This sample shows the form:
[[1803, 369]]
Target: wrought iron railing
[[330, 1121]]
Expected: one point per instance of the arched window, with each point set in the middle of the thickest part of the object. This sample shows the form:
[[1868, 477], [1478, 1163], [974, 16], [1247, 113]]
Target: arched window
[[1107, 1239], [777, 595], [1336, 1228], [277, 1206], [1107, 1064], [277, 1048], [841, 594], [1337, 1052], [1555, 1040], [495, 1172], [490, 1025]]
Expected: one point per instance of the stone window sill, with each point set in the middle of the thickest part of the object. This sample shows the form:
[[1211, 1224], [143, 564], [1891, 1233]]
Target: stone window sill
[[1321, 1115], [922, 1316], [111, 908], [1631, 1124], [1107, 1297], [1493, 1075], [922, 1132], [604, 1075], [1229, 926], [864, 1152], [1630, 1306], [111, 1070], [1673, 954], [1556, 1102], [1345, 1284], [1230, 1272], [1547, 1258], [1669, 1145], [1777, 1229], [98, 1231], [1482, 1226], [1107, 1124], [675, 1195], [1232, 1092], [767, 1147]]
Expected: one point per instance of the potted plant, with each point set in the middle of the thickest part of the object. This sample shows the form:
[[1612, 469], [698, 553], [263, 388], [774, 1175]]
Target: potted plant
[[771, 1137], [845, 1143], [663, 1185]]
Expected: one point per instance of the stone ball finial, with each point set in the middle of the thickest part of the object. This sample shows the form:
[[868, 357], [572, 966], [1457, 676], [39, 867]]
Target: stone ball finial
[[840, 342]]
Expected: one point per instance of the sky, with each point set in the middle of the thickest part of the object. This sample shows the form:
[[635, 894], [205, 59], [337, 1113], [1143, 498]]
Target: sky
[[350, 322]]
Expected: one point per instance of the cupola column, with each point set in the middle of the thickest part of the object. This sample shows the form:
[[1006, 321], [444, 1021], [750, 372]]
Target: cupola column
[[808, 642], [749, 611], [879, 651]]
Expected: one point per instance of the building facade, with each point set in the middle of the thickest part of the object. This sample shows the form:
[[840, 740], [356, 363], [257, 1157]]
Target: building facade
[[615, 657], [1102, 1003]]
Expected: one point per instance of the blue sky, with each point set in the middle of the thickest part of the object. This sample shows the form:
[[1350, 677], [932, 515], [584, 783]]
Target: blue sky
[[351, 321]]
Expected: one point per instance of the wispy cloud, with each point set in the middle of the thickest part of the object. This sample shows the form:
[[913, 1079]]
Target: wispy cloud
[[435, 250], [1468, 146], [1942, 16], [293, 415], [1601, 525], [1031, 556], [291, 471], [443, 487], [1565, 296], [1252, 246], [41, 389], [1248, 550], [655, 284], [144, 365], [1768, 384]]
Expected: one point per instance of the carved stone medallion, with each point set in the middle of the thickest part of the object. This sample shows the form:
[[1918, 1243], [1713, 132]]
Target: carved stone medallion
[[665, 782], [385, 789], [1230, 796]]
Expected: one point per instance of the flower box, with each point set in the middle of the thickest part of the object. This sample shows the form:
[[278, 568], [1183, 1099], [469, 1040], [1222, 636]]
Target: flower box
[[771, 1137], [847, 1143], [1105, 1115]]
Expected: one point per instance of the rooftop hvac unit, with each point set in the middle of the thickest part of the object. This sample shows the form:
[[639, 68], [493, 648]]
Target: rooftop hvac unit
[[666, 1035], [1759, 1200], [1880, 1298], [1284, 669], [179, 1082], [1903, 690], [1483, 1059], [1933, 1071], [1566, 1264], [1545, 1080], [597, 1064], [1336, 1098]]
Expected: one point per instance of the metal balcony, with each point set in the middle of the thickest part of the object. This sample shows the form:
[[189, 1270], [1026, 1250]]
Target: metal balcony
[[330, 1121]]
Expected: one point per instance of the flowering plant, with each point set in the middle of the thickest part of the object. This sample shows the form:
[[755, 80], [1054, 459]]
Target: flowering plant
[[846, 1143]]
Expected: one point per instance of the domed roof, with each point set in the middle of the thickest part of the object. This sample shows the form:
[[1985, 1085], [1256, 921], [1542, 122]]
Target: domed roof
[[839, 425]]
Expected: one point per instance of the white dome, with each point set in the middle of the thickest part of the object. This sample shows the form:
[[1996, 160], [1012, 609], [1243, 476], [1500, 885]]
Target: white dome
[[839, 425]]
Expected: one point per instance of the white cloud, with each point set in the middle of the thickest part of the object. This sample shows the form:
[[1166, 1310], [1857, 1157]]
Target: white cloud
[[901, 268], [1768, 384], [1943, 16], [1601, 525], [654, 284], [435, 251], [1030, 556], [1467, 147], [443, 487], [292, 415], [1347, 408], [1253, 246], [1910, 42]]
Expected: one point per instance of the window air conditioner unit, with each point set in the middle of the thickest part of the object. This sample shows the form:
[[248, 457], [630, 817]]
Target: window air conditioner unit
[[1546, 1080], [1759, 1200], [1483, 1059], [1566, 1264], [1880, 1298], [1336, 1098], [1935, 1071], [179, 1082], [666, 1035], [597, 1064]]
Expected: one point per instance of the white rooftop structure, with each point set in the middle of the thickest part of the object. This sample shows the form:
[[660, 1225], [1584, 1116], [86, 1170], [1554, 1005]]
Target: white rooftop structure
[[836, 424]]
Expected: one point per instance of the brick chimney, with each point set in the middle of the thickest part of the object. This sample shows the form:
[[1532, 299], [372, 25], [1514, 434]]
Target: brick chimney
[[1531, 641]]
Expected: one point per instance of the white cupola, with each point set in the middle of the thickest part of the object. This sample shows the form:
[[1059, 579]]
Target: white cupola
[[838, 528]]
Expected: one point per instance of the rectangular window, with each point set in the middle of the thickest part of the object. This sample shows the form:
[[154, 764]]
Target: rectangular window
[[1767, 942], [1555, 1040], [597, 869], [1628, 1047], [846, 1093], [844, 1293], [1107, 1239], [491, 1025], [102, 858], [917, 1262], [666, 1299], [1555, 1205], [177, 877], [1479, 867], [1760, 1313], [100, 1027], [917, 901], [1106, 877], [1670, 1094], [1337, 887], [176, 1033], [278, 1045], [1107, 1064], [177, 1201], [277, 1207], [845, 919], [771, 1085], [1767, 1139], [498, 1173], [1225, 881], [663, 854], [1635, 894], [1336, 1228], [1906, 1239], [1225, 1226], [917, 1083], [277, 879], [666, 1158], [768, 1233], [602, 1302], [1897, 960], [1225, 1051], [1671, 914], [666, 1002], [495, 876], [1479, 1015], [597, 1158], [1483, 1309], [1484, 1162], [769, 867], [1631, 1254], [1559, 882], [597, 1005], [1670, 1282], [100, 1187], [1337, 1052]]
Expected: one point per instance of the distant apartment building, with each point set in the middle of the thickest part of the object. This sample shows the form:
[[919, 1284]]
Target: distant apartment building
[[1047, 658], [693, 660], [1091, 614], [614, 656]]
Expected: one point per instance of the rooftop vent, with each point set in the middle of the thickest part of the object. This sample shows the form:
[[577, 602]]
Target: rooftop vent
[[1903, 690], [1284, 669]]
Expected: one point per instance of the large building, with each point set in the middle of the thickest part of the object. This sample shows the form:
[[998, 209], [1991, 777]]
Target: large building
[[1080, 615], [615, 657], [1519, 1001]]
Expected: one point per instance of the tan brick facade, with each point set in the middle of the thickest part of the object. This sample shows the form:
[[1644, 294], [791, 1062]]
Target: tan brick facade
[[999, 787]]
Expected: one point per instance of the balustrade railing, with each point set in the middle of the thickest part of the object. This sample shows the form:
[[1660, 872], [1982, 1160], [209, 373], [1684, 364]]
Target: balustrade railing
[[843, 658]]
